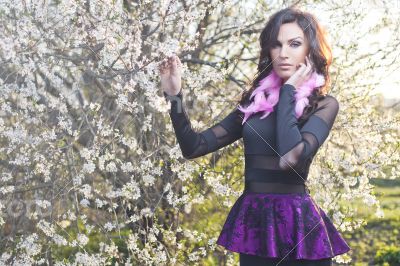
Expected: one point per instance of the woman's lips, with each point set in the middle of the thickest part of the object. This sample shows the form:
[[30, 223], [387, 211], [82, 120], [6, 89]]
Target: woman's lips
[[285, 67]]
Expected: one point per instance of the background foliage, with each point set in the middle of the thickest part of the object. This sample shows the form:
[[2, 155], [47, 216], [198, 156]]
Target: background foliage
[[90, 169]]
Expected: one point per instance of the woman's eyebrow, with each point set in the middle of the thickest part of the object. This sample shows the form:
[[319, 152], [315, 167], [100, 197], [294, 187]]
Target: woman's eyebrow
[[291, 39]]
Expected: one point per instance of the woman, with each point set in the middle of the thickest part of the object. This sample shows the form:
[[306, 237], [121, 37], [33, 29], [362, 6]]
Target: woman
[[283, 118]]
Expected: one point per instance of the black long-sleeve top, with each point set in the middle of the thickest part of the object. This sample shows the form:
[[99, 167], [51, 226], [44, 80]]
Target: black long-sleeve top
[[276, 148]]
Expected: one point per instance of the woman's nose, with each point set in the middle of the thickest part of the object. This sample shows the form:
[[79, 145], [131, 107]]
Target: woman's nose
[[283, 52]]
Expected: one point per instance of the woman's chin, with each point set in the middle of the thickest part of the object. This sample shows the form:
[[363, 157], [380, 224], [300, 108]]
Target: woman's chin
[[284, 76]]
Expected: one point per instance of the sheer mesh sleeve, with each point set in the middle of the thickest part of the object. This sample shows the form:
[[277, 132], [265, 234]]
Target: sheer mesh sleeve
[[194, 144], [295, 146]]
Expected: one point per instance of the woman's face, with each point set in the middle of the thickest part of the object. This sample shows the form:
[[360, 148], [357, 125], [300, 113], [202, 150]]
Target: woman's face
[[291, 48]]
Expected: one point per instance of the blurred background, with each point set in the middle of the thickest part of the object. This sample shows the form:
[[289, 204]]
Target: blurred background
[[91, 172]]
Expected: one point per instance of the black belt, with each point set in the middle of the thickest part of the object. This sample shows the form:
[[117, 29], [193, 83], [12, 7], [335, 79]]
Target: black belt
[[265, 187]]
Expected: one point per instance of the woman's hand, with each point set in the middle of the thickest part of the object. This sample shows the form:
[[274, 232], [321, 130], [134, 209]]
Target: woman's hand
[[170, 70], [302, 74]]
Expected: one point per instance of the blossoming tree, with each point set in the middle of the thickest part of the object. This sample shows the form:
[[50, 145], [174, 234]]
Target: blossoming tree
[[90, 169]]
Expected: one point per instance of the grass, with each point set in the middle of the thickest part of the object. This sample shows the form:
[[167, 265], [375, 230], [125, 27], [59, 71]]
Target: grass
[[379, 234]]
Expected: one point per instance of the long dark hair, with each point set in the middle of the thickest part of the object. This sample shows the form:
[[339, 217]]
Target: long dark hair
[[320, 52]]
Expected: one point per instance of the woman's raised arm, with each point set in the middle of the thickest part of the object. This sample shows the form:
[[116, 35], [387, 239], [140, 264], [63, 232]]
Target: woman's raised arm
[[296, 146], [194, 144]]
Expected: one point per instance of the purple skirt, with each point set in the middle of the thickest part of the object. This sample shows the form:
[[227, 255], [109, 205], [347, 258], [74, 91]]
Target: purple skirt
[[280, 226]]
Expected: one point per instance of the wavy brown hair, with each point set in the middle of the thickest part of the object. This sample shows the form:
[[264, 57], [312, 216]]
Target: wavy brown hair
[[320, 53]]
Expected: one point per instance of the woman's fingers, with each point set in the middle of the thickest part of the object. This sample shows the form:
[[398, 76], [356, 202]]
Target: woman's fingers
[[164, 65], [178, 61], [173, 62], [169, 64], [311, 64], [161, 66], [302, 69], [309, 67], [302, 73]]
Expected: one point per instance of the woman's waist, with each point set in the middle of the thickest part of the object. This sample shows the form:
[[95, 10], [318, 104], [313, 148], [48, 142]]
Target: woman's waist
[[275, 176], [275, 187]]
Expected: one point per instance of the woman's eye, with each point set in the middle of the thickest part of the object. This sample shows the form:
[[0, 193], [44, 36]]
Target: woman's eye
[[294, 44]]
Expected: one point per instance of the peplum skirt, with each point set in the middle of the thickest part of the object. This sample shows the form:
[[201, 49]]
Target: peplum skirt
[[286, 226]]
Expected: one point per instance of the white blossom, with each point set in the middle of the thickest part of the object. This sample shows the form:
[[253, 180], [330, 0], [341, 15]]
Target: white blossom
[[109, 226], [89, 167], [82, 239]]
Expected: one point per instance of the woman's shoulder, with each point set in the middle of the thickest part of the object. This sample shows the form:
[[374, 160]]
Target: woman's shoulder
[[328, 100]]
